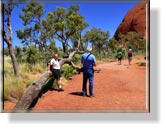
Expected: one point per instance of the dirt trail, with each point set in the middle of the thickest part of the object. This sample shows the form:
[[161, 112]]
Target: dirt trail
[[116, 87]]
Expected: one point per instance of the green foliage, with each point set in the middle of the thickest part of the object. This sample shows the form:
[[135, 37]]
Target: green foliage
[[136, 41], [6, 51], [77, 58], [32, 55], [62, 24], [113, 44], [52, 49], [19, 54], [32, 12], [98, 38], [65, 24], [33, 33], [142, 45], [67, 71]]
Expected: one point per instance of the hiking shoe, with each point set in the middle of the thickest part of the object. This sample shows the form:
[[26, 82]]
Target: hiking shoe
[[92, 96], [60, 89]]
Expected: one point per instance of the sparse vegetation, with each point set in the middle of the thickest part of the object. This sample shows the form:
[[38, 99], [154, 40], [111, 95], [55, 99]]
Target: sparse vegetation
[[14, 86], [67, 71], [141, 63], [39, 43]]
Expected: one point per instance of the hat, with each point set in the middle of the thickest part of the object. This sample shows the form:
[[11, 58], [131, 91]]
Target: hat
[[89, 48]]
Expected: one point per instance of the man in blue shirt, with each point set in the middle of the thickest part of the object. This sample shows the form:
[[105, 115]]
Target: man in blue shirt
[[89, 61]]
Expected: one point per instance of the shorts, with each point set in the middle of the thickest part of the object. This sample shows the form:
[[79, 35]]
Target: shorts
[[120, 58], [56, 73], [129, 58]]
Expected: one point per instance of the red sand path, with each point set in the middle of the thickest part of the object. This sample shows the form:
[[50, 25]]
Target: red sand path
[[116, 87]]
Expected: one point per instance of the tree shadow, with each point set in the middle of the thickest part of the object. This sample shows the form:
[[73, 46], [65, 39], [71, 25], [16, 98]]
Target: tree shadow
[[76, 93], [47, 87]]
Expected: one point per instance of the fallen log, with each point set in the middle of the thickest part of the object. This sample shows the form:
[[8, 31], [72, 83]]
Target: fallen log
[[36, 87], [31, 93], [34, 90]]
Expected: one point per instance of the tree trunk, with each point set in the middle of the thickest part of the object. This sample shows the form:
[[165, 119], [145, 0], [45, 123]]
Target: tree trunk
[[8, 37], [64, 46], [12, 55], [13, 58], [99, 52]]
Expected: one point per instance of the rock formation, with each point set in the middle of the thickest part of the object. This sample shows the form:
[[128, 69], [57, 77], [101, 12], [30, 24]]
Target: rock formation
[[135, 20]]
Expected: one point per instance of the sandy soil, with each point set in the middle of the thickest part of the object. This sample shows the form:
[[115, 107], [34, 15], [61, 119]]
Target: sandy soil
[[116, 87]]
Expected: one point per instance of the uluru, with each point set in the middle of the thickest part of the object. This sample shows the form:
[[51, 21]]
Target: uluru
[[134, 21]]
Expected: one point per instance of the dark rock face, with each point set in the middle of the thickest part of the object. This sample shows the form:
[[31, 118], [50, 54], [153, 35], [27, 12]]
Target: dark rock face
[[135, 20]]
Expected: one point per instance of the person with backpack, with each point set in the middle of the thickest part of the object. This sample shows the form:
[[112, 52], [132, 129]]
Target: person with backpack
[[130, 54], [119, 56], [88, 61], [54, 67]]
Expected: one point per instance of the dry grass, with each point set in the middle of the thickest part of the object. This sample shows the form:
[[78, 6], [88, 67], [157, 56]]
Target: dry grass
[[105, 60], [13, 86]]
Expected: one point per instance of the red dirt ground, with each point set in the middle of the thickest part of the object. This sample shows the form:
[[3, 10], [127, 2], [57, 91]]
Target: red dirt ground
[[116, 87]]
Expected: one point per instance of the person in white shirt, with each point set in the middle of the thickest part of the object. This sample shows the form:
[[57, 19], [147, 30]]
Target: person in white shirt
[[54, 67]]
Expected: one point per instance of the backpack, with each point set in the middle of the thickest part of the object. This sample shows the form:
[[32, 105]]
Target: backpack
[[119, 54], [129, 53]]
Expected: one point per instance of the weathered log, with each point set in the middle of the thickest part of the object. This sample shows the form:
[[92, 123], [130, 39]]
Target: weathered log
[[31, 93], [36, 87]]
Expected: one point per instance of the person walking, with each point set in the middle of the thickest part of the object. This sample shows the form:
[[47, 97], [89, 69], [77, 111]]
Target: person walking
[[119, 56], [88, 61], [54, 67], [130, 54]]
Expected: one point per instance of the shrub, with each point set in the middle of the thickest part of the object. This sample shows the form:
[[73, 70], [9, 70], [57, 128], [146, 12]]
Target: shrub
[[77, 58], [141, 63], [32, 55], [67, 71]]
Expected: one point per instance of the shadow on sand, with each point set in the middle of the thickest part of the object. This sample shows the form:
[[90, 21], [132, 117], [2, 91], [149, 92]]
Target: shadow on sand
[[76, 93], [47, 87]]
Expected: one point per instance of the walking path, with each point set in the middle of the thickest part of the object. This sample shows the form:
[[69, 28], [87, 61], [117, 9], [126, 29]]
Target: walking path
[[116, 87]]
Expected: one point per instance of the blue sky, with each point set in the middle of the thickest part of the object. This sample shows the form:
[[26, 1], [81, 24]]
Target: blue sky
[[104, 16]]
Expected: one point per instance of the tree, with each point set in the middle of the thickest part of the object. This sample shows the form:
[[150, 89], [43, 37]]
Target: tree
[[98, 38], [8, 34], [65, 24], [136, 41], [32, 19], [51, 50], [32, 55], [60, 24], [19, 53], [122, 40], [112, 44]]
